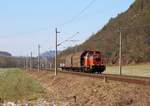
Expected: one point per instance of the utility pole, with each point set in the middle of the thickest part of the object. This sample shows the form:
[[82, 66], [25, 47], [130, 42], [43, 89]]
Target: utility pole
[[25, 63], [45, 63], [120, 52], [56, 51], [38, 57], [31, 61]]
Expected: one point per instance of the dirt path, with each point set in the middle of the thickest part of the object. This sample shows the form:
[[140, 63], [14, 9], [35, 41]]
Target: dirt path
[[72, 90]]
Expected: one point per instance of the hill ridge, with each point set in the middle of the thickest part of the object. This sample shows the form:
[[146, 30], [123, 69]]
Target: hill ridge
[[135, 24]]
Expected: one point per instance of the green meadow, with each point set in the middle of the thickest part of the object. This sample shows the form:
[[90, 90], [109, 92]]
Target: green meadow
[[15, 84], [136, 70]]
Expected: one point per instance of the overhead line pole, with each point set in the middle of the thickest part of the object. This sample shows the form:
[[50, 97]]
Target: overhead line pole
[[38, 57], [24, 63], [120, 51], [56, 45], [27, 63], [31, 61]]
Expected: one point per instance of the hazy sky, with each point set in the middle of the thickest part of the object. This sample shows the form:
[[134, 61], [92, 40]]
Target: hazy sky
[[26, 23]]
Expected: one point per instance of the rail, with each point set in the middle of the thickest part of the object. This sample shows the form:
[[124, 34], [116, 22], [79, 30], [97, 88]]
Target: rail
[[114, 77]]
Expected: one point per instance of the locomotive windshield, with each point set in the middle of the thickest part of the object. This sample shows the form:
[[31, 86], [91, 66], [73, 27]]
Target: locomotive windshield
[[97, 57]]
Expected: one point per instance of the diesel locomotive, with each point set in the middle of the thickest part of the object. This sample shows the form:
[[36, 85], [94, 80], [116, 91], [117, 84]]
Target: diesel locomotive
[[86, 61]]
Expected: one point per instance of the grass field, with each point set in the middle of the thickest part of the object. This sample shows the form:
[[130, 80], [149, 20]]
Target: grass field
[[137, 70], [15, 84]]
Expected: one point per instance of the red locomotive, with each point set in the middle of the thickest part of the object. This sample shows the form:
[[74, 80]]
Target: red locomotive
[[87, 61]]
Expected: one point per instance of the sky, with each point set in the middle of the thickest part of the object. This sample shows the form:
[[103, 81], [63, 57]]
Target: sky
[[26, 23]]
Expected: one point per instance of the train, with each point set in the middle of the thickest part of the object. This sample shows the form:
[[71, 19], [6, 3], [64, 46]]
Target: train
[[87, 61]]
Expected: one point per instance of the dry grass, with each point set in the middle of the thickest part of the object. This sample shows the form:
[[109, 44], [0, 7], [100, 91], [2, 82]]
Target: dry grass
[[137, 70], [72, 90]]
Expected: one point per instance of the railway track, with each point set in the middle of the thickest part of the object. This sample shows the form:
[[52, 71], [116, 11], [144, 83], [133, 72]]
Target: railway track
[[121, 78], [114, 77]]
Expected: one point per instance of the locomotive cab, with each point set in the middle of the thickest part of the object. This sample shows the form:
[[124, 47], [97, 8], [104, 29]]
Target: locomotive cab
[[98, 64], [96, 59], [93, 61]]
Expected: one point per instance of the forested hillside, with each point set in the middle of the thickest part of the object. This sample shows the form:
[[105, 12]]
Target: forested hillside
[[3, 53], [134, 24]]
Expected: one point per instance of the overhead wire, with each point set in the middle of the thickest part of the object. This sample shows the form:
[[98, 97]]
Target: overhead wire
[[74, 18], [68, 39], [81, 12]]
